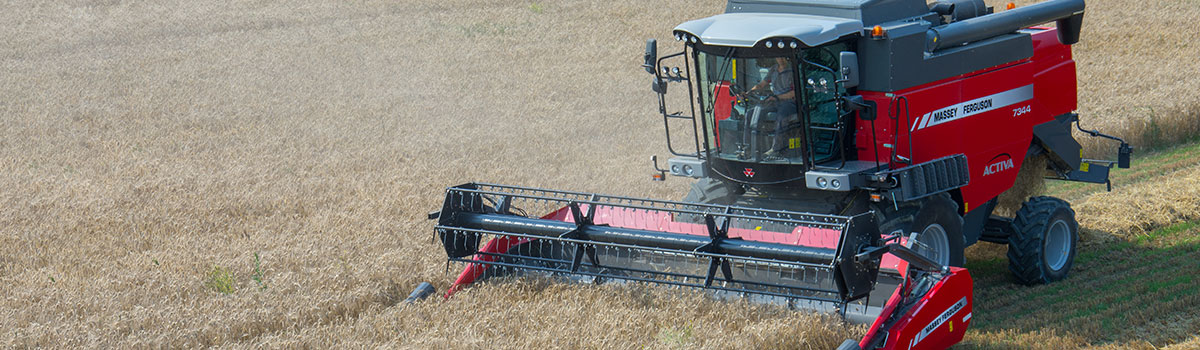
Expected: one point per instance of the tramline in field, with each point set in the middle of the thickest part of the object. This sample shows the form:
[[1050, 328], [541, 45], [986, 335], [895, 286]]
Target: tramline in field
[[846, 152]]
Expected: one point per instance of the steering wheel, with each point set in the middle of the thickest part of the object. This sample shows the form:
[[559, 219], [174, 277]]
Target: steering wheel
[[759, 96]]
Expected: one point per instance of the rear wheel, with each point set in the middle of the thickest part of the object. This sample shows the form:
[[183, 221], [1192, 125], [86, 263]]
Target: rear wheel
[[1041, 248]]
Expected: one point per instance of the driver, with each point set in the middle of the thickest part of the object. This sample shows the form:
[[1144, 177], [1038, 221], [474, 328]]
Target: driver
[[781, 82]]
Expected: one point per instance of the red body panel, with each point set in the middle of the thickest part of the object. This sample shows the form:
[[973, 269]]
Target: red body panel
[[994, 141], [937, 321]]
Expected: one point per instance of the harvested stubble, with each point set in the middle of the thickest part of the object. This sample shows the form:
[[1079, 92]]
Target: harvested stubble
[[1139, 208], [148, 142]]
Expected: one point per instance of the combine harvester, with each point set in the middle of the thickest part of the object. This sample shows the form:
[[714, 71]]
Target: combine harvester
[[846, 152]]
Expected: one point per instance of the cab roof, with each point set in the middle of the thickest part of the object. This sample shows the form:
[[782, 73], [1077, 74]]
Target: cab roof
[[869, 12], [748, 29]]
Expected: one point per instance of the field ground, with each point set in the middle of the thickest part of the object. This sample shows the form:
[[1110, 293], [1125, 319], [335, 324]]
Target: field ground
[[254, 173]]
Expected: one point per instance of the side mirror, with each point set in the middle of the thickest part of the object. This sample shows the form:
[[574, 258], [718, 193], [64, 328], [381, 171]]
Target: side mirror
[[659, 85], [849, 69], [651, 55]]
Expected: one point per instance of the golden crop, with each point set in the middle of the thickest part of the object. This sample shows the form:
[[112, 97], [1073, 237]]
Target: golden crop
[[249, 173]]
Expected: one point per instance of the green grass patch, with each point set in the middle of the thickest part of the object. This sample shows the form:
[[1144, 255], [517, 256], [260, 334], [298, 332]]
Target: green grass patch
[[537, 8], [1052, 289], [1086, 257], [1185, 292], [1155, 286], [221, 280], [1168, 231], [1098, 307], [676, 336], [988, 268], [1083, 258], [257, 274]]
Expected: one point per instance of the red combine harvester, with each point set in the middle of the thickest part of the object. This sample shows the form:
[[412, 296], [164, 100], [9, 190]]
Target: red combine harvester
[[846, 152]]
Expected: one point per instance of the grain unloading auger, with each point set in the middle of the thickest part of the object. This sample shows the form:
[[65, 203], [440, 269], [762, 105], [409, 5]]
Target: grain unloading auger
[[846, 152]]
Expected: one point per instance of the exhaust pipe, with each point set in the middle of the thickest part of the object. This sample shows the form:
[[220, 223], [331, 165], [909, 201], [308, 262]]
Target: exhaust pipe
[[1067, 13]]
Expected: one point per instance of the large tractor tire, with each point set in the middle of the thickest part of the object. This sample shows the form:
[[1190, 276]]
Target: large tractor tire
[[1042, 246], [712, 191], [937, 223]]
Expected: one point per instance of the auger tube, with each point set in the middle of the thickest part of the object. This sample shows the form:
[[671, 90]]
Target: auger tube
[[1067, 12]]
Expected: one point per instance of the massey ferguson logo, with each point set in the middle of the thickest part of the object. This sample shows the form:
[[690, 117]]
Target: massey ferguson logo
[[749, 172], [972, 107], [998, 163], [944, 114], [939, 321]]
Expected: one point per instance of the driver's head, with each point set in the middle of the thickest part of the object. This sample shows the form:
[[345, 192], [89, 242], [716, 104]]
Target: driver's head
[[781, 62]]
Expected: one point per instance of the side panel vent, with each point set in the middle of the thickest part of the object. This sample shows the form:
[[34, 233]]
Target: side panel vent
[[932, 177]]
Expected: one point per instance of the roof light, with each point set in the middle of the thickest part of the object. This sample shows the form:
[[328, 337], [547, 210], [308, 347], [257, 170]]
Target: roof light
[[794, 44], [780, 43], [770, 44], [1010, 6], [678, 37], [693, 40], [877, 31]]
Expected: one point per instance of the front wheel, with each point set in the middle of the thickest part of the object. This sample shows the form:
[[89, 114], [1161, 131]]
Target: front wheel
[[937, 224], [1041, 248]]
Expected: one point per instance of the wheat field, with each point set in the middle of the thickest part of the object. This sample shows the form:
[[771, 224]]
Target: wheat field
[[254, 173]]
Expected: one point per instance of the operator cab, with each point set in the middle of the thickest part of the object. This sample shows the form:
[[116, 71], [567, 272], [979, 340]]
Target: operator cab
[[769, 92], [758, 104]]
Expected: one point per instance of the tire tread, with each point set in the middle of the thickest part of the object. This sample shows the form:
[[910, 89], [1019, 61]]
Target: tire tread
[[1026, 242]]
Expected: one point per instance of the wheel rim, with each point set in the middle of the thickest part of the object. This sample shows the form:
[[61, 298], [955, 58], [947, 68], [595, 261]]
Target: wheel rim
[[1057, 247], [934, 244]]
